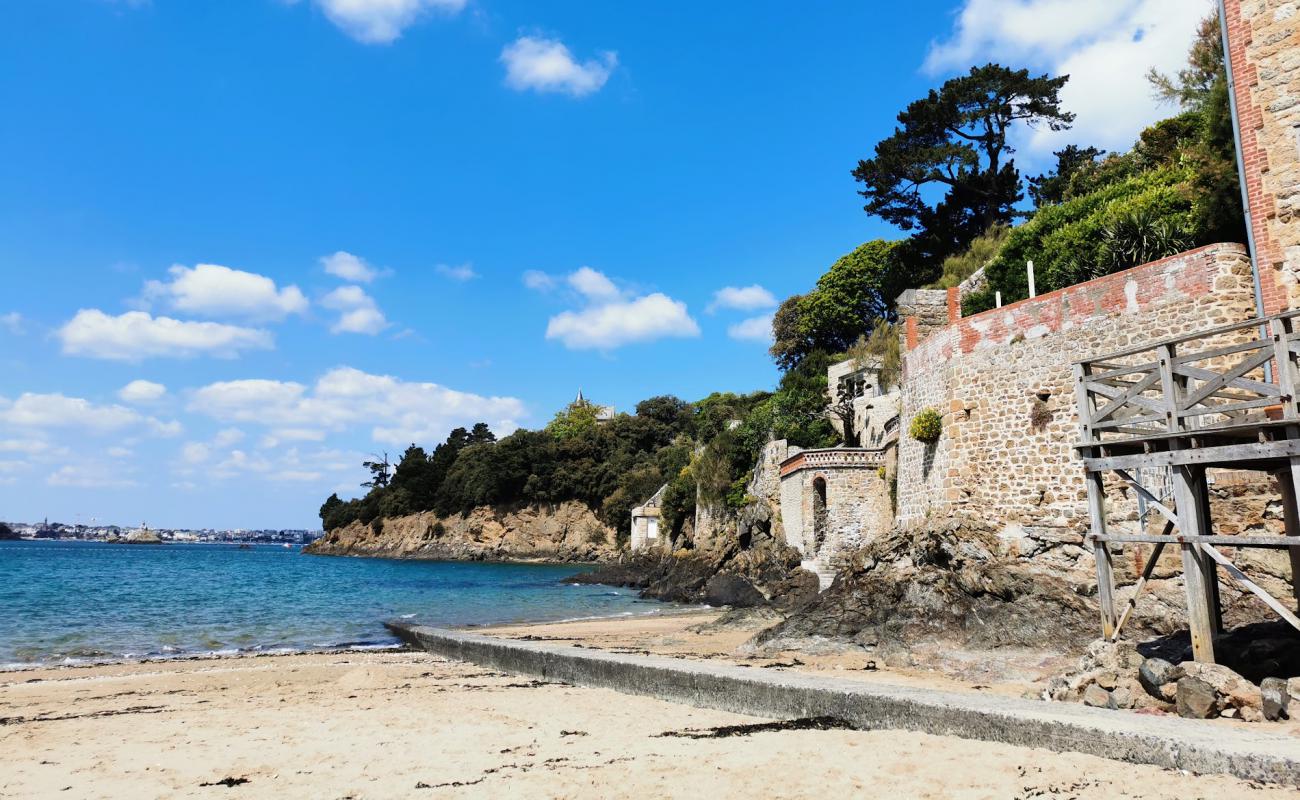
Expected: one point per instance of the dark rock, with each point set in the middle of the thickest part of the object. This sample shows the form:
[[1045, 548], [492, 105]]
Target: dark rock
[[943, 580], [1273, 692], [1158, 678], [1196, 699], [726, 589]]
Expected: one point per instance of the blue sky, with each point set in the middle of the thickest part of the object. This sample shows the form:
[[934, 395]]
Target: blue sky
[[245, 244]]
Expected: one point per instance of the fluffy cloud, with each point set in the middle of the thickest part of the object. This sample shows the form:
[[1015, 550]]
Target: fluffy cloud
[[358, 312], [349, 267], [614, 324], [90, 475], [398, 411], [39, 411], [463, 272], [137, 335], [538, 281], [593, 285], [742, 298], [1105, 46], [754, 329], [382, 21], [13, 322], [141, 391], [211, 290], [546, 65]]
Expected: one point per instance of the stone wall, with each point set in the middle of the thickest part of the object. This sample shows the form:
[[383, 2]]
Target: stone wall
[[857, 506], [1264, 51], [987, 373]]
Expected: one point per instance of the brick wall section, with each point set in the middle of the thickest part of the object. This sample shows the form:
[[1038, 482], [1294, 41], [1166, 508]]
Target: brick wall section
[[1264, 48], [985, 372]]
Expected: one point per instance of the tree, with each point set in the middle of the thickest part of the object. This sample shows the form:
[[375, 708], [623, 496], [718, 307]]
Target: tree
[[378, 472], [1053, 187], [857, 290], [481, 434], [955, 139], [574, 419]]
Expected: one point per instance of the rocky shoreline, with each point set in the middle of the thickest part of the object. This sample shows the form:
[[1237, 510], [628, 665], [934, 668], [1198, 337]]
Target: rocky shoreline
[[563, 533]]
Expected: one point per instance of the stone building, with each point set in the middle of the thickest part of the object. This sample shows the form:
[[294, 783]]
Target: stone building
[[646, 532], [1264, 56], [862, 411]]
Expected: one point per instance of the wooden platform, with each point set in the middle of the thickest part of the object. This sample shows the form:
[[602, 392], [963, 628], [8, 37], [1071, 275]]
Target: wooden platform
[[1225, 397]]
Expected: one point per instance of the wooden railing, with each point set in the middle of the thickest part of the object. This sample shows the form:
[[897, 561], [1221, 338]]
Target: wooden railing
[[1212, 381]]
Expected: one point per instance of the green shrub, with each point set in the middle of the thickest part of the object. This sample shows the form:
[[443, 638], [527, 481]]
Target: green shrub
[[926, 426]]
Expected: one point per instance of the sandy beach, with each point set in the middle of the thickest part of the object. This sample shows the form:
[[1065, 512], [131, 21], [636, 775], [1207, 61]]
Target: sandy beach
[[398, 724]]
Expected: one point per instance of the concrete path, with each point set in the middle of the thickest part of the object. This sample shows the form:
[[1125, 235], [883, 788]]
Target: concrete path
[[1193, 745]]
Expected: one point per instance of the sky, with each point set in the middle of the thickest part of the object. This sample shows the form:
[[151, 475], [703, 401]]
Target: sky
[[246, 245]]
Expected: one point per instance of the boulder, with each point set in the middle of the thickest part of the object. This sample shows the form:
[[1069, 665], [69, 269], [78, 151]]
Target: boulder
[[1276, 700], [1160, 678], [1293, 694], [1225, 689], [726, 589], [1196, 699], [1097, 697]]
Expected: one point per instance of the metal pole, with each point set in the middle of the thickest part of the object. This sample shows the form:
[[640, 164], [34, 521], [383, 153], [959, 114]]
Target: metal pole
[[1241, 179], [1029, 267]]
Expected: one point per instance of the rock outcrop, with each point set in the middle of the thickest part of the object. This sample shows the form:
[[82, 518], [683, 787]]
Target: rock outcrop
[[568, 531], [751, 569], [947, 581]]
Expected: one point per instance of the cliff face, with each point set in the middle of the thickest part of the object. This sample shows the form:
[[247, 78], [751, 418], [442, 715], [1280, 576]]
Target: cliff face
[[565, 532]]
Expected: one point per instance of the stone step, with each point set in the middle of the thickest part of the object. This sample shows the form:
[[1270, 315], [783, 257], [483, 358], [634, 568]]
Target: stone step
[[825, 572]]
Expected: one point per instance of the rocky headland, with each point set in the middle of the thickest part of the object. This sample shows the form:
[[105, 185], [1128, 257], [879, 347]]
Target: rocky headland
[[565, 532]]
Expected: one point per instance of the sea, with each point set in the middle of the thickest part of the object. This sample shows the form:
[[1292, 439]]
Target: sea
[[70, 602]]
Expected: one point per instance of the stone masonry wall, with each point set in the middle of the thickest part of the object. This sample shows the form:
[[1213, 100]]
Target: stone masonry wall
[[986, 372], [1264, 51]]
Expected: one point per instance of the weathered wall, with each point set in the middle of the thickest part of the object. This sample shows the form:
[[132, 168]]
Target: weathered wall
[[1264, 48], [857, 507], [569, 531], [985, 373]]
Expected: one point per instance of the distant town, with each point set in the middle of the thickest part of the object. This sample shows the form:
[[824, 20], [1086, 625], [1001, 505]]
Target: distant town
[[81, 532]]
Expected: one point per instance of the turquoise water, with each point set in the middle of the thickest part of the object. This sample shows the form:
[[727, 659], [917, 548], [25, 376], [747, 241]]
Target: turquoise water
[[67, 602]]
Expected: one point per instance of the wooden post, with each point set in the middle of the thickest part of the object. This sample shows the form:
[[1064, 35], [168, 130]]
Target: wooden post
[[1200, 619], [1208, 566], [1029, 270], [1096, 510], [1101, 553], [1288, 480], [1286, 483]]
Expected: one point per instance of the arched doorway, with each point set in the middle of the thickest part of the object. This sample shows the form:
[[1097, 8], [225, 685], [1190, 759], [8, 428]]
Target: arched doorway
[[819, 514]]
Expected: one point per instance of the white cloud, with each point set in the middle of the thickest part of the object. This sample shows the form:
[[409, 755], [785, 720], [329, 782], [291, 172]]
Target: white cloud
[[28, 447], [60, 411], [538, 281], [195, 453], [593, 285], [305, 476], [754, 329], [358, 312], [463, 272], [136, 335], [546, 65], [211, 290], [13, 322], [619, 322], [120, 452], [742, 298], [399, 412], [349, 267], [141, 391], [1105, 46], [90, 475], [382, 21], [227, 437]]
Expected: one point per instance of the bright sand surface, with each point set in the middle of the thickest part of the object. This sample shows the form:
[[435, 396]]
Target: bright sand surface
[[399, 724]]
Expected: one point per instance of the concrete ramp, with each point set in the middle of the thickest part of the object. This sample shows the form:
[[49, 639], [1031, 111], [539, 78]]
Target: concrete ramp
[[1193, 745]]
